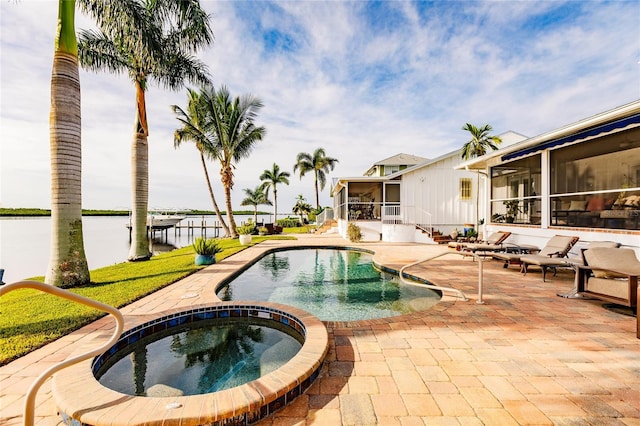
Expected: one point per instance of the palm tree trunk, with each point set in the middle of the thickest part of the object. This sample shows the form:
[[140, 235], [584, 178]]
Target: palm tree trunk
[[315, 175], [275, 205], [139, 182], [67, 262], [213, 199], [227, 182]]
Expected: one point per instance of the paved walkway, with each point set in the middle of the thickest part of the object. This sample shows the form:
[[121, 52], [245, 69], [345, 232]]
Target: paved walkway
[[526, 356]]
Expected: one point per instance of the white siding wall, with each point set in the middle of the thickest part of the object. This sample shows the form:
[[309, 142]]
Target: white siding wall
[[436, 189]]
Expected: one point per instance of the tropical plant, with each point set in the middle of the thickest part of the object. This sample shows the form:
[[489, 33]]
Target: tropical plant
[[67, 261], [271, 179], [478, 145], [301, 207], [255, 198], [206, 246], [319, 164], [233, 134], [150, 41], [195, 129], [246, 229], [513, 208], [353, 232]]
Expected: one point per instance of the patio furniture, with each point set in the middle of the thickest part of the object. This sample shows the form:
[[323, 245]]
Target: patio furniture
[[550, 262], [493, 243], [495, 239], [558, 246], [611, 274]]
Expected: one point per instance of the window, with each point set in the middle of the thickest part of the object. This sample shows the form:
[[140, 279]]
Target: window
[[515, 191], [596, 184], [465, 188]]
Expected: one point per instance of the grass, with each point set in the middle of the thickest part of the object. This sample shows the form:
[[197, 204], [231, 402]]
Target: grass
[[30, 319]]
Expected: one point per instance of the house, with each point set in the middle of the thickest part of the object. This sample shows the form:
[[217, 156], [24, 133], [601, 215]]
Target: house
[[394, 164], [582, 179], [408, 204]]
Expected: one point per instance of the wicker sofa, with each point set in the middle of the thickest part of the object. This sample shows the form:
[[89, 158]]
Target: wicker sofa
[[611, 274]]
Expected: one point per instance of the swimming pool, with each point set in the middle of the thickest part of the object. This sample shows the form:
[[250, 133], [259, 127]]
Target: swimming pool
[[200, 357], [330, 283]]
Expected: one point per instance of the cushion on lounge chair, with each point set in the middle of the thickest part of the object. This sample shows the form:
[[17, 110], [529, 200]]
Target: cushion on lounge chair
[[558, 246], [493, 243], [618, 263]]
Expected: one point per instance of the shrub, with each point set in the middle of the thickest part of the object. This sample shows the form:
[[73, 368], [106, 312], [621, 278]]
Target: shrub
[[354, 233], [207, 247], [289, 222], [246, 229]]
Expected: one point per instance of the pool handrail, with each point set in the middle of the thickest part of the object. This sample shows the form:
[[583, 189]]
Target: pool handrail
[[29, 405], [459, 293]]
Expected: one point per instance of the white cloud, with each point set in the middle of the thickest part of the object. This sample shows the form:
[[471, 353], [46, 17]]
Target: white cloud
[[362, 80]]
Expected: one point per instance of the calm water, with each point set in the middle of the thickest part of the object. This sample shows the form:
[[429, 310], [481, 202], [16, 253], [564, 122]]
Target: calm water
[[201, 358], [333, 285], [24, 242]]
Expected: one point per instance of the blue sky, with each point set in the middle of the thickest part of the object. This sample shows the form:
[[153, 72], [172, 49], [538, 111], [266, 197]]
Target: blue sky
[[364, 80]]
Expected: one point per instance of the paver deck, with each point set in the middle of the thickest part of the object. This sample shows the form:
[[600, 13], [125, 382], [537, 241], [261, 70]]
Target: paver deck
[[525, 356]]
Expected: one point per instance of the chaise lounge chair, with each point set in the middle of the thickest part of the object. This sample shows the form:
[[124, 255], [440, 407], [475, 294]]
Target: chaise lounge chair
[[557, 247], [550, 262], [493, 243], [495, 240]]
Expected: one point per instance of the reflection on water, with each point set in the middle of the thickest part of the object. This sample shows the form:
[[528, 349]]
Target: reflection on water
[[24, 242]]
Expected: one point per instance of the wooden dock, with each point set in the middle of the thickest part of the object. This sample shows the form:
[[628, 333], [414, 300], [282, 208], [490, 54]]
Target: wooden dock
[[191, 226]]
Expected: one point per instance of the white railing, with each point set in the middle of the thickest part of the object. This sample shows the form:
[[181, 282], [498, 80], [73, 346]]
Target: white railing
[[325, 215], [30, 397], [408, 215]]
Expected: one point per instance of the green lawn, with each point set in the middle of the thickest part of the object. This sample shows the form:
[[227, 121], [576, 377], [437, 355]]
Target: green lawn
[[30, 319]]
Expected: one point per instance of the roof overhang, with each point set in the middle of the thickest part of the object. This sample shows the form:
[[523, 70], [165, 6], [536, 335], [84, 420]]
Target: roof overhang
[[342, 182], [616, 120]]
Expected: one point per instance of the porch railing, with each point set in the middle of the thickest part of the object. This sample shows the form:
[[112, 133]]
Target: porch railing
[[408, 215], [326, 214]]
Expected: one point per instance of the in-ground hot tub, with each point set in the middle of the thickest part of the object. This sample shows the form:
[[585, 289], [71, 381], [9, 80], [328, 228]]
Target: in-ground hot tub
[[81, 399]]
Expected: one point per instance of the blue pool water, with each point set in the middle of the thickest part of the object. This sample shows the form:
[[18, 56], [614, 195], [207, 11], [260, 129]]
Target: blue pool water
[[332, 284], [203, 357]]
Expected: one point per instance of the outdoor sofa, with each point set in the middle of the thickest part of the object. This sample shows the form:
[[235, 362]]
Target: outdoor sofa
[[611, 274]]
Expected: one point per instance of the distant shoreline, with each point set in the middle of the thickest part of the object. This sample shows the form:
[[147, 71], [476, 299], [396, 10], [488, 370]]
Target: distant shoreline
[[11, 212]]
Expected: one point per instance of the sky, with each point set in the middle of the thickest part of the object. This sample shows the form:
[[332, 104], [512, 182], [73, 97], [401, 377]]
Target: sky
[[363, 80]]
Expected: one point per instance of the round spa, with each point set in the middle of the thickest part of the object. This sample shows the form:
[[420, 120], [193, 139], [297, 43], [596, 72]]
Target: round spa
[[232, 363]]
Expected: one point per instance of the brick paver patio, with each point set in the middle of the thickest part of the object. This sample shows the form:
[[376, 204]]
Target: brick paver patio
[[525, 356]]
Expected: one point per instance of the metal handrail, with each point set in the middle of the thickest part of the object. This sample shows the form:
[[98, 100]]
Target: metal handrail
[[459, 293], [29, 405]]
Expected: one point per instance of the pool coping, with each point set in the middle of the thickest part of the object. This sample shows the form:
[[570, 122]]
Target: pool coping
[[82, 400]]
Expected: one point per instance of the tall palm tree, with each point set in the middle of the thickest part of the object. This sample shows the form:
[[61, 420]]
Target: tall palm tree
[[319, 164], [194, 129], [153, 41], [271, 179], [255, 198], [478, 145], [67, 262], [234, 134]]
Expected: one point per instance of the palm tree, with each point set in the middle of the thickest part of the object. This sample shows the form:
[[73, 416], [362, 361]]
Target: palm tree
[[271, 179], [301, 207], [233, 134], [152, 41], [194, 129], [320, 164], [478, 145], [255, 198], [67, 262]]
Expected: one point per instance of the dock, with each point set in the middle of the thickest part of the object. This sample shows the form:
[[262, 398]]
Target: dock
[[191, 226]]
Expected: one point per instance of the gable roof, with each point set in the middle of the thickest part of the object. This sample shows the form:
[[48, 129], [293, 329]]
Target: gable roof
[[397, 160]]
